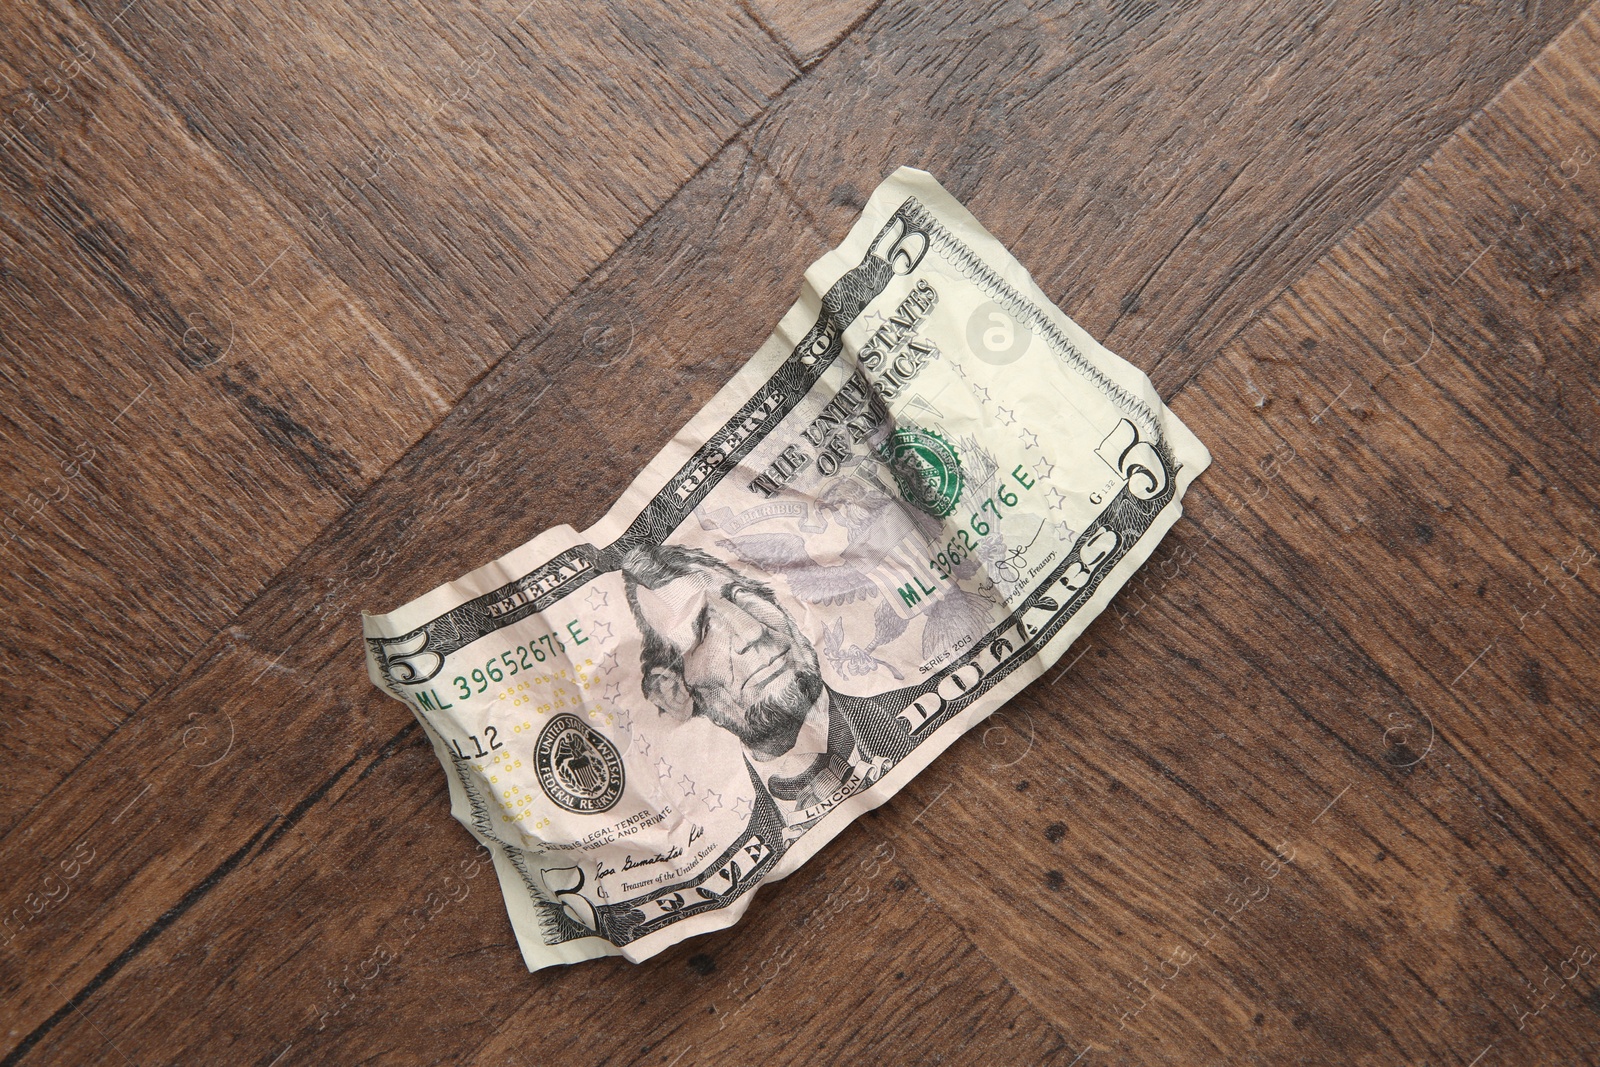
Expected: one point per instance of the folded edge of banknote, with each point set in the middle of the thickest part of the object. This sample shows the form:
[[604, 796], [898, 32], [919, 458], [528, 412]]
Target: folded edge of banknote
[[902, 510]]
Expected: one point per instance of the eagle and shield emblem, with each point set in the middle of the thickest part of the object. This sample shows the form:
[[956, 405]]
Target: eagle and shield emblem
[[579, 768]]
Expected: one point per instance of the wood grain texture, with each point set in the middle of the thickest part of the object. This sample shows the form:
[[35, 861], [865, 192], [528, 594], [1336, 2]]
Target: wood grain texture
[[1191, 158], [1376, 633], [166, 453], [808, 30], [462, 167], [1357, 673], [208, 294], [710, 230]]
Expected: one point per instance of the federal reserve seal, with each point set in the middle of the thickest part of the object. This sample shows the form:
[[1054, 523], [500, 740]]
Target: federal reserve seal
[[578, 767], [926, 468]]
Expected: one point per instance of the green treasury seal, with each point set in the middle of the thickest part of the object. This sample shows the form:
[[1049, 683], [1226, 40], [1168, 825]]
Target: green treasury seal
[[926, 468]]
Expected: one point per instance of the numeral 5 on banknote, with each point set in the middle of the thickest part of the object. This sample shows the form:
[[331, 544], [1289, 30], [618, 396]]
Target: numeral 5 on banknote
[[898, 513]]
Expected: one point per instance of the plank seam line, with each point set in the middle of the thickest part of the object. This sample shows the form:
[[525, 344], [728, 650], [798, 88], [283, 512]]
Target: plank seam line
[[221, 872], [197, 892], [1005, 979], [529, 340], [1378, 204], [755, 16], [155, 930]]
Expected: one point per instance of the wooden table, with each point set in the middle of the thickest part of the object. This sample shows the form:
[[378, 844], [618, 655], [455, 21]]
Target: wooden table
[[309, 308]]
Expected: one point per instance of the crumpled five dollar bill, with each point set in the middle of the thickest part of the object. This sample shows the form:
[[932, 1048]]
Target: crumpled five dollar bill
[[900, 512]]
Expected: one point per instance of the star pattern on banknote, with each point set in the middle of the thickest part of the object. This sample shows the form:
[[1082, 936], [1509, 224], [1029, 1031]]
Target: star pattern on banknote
[[832, 554]]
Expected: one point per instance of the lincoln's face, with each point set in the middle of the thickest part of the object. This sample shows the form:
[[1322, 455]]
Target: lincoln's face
[[745, 665]]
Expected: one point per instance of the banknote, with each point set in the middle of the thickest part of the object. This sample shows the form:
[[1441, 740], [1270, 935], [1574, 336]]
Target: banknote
[[897, 514]]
